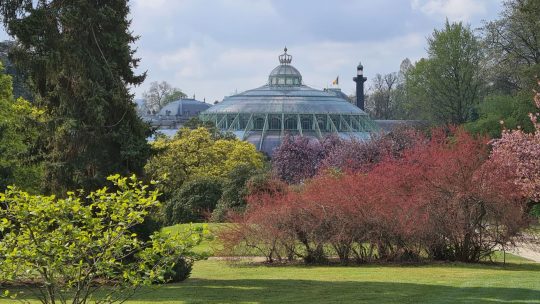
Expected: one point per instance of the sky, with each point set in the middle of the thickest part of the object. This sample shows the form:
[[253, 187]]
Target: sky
[[214, 48]]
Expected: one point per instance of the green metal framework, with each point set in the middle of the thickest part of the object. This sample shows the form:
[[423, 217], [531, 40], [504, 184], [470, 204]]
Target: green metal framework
[[317, 125]]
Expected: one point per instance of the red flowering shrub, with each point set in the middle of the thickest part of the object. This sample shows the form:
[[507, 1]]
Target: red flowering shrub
[[439, 199], [471, 206]]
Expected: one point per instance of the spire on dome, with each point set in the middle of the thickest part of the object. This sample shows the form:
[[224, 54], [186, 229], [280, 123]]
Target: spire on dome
[[285, 58]]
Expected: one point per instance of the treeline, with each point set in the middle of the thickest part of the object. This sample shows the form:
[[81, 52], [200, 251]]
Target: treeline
[[472, 77]]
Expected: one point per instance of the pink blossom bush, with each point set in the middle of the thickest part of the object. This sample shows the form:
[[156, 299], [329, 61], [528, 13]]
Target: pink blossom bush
[[520, 152]]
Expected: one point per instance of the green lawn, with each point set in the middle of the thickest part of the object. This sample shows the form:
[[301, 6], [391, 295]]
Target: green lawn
[[215, 282], [221, 282]]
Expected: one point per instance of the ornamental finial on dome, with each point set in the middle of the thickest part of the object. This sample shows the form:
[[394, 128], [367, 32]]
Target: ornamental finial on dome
[[285, 58]]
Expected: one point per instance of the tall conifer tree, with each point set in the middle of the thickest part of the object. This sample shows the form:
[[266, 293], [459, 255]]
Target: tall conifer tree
[[78, 58]]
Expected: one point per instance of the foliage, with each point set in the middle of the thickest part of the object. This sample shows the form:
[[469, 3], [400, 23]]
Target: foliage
[[513, 110], [198, 153], [195, 123], [146, 229], [519, 152], [513, 45], [471, 205], [194, 201], [161, 94], [264, 184], [180, 271], [20, 89], [193, 153], [403, 106], [79, 63], [297, 158], [355, 155], [388, 97], [75, 246], [20, 124], [381, 103], [438, 198], [235, 191], [209, 245], [448, 84]]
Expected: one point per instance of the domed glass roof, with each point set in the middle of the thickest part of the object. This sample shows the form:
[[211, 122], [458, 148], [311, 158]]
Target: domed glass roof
[[299, 99], [183, 107], [284, 75], [284, 105]]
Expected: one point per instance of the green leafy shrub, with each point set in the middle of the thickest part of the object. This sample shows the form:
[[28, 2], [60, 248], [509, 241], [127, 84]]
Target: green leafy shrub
[[180, 271], [84, 243], [512, 110], [193, 201], [235, 191]]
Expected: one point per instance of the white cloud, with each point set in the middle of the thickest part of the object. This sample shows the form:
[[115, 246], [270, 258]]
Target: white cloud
[[213, 48], [213, 70], [455, 10]]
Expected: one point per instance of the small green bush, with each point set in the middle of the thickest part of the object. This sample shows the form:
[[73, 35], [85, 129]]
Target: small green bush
[[180, 271]]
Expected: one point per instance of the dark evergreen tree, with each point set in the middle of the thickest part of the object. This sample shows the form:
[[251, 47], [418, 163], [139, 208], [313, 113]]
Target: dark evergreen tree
[[20, 88], [79, 62]]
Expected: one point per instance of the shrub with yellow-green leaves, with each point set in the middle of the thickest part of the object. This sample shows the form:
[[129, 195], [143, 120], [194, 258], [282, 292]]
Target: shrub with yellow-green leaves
[[83, 245], [20, 126], [196, 153], [194, 166]]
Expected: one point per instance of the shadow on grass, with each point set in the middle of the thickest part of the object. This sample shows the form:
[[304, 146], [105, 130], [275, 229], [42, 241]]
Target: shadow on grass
[[308, 291], [266, 291]]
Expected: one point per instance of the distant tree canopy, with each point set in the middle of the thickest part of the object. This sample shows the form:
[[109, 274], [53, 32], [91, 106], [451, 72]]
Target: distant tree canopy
[[467, 79], [513, 46], [79, 62], [447, 85], [161, 94], [381, 103]]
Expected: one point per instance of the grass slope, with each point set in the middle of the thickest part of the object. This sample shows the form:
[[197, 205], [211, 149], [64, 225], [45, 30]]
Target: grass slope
[[208, 246]]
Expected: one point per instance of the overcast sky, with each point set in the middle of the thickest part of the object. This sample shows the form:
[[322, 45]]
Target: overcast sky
[[212, 48]]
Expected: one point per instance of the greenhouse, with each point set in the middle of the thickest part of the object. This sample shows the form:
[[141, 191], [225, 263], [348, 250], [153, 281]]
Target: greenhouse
[[263, 116]]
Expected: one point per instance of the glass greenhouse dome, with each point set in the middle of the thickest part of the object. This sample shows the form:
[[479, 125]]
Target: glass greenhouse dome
[[263, 116]]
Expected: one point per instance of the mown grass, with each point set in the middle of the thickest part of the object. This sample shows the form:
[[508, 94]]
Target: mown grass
[[215, 281]]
